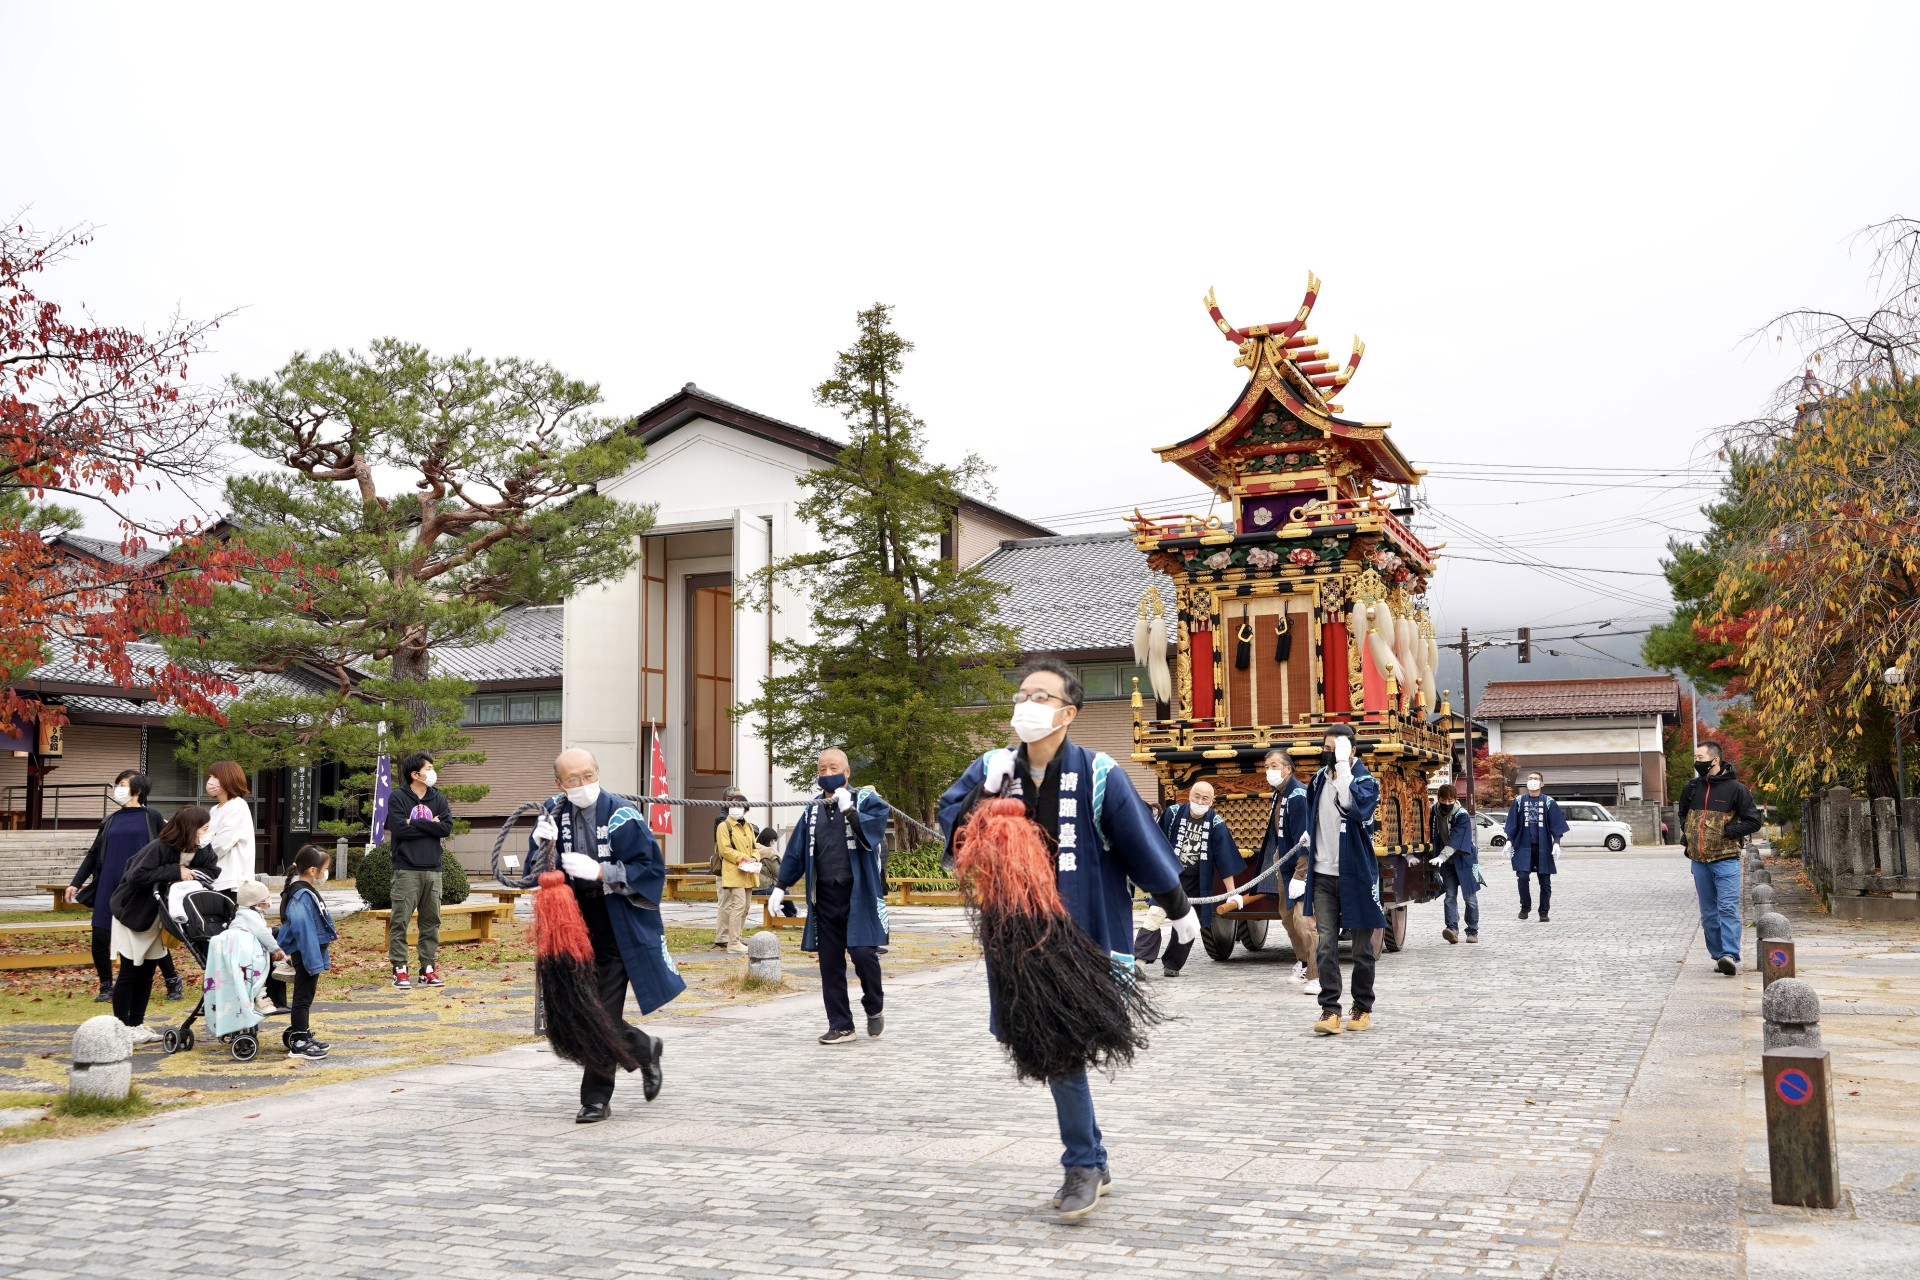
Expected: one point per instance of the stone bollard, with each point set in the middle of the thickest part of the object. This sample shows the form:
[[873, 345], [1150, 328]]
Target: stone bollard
[[1802, 1156], [1763, 899], [1792, 1013], [1762, 876], [102, 1059], [763, 957], [1771, 927]]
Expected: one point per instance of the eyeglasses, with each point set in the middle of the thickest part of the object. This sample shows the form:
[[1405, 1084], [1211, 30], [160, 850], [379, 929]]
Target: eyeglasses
[[1024, 696], [582, 778]]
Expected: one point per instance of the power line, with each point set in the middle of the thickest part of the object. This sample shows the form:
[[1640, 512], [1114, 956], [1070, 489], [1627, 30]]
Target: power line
[[1574, 568]]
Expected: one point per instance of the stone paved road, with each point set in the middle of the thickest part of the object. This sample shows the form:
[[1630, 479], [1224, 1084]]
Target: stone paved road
[[1462, 1136]]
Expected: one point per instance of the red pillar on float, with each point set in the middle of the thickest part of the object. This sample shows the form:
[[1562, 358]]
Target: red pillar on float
[[1200, 658], [1333, 667]]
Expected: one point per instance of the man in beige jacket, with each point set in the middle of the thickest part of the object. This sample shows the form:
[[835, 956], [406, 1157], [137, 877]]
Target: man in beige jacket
[[735, 841]]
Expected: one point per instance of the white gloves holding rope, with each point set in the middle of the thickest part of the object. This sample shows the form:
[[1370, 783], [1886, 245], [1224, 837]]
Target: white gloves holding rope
[[999, 771], [580, 866], [544, 831]]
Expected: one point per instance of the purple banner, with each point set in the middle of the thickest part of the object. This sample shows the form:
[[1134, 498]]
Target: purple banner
[[382, 797]]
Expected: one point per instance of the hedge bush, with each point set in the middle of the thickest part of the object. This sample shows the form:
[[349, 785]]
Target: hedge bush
[[373, 879], [920, 862]]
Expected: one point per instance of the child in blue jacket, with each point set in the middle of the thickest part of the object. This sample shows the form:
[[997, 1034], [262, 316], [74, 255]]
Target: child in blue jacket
[[305, 930]]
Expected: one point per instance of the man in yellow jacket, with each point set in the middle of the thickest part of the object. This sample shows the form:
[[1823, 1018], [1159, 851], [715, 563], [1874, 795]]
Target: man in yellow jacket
[[735, 841]]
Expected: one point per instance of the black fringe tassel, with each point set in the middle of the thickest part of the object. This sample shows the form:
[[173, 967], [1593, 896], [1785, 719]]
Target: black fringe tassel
[[578, 1027], [1061, 1006]]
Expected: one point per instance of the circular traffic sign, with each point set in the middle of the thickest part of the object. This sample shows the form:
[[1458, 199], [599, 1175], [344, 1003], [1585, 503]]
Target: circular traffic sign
[[1794, 1086], [1777, 958]]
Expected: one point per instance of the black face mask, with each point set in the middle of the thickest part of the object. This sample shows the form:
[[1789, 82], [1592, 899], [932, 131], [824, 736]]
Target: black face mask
[[1326, 758], [1703, 767]]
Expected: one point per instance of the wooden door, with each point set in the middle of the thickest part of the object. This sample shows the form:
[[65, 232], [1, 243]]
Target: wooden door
[[708, 732]]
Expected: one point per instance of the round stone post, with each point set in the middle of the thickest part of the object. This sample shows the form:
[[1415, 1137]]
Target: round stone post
[[763, 957], [1774, 949], [1772, 926], [1791, 1009], [102, 1059]]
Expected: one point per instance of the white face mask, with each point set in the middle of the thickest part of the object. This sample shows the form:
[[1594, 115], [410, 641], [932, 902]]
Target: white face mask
[[1275, 777], [1533, 784], [121, 794], [584, 797], [1032, 721], [428, 777], [1199, 808], [737, 813]]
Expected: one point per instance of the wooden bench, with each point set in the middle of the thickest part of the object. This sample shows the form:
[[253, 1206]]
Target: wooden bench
[[51, 959], [503, 894], [60, 903], [691, 887], [479, 916], [914, 891], [772, 920]]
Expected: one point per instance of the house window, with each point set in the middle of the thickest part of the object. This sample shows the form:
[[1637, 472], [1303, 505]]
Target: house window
[[1110, 682], [539, 706]]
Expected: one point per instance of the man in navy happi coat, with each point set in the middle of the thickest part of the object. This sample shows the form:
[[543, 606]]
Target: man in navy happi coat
[[1343, 876], [1103, 837], [1205, 850], [1535, 827], [838, 848], [617, 874]]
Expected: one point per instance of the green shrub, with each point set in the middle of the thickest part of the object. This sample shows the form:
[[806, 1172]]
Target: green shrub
[[373, 879], [922, 862]]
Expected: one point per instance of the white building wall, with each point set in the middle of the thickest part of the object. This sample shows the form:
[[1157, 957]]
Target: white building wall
[[703, 477]]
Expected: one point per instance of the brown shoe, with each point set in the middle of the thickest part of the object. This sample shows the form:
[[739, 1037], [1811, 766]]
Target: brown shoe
[[1329, 1024], [1360, 1021]]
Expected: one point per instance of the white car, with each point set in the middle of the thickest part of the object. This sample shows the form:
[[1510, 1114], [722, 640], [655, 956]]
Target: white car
[[1587, 824], [1590, 823]]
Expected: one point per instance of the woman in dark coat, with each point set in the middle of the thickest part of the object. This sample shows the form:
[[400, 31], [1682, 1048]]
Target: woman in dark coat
[[122, 834], [176, 855]]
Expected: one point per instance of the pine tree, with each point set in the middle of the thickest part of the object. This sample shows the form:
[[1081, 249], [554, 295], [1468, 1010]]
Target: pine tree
[[904, 670], [424, 494]]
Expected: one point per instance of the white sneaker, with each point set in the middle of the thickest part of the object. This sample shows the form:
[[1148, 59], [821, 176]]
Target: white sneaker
[[145, 1035], [1312, 987], [1299, 971]]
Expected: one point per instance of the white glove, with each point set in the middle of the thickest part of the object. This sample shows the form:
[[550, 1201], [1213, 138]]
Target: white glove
[[999, 771], [580, 866], [1556, 848], [1187, 927], [544, 832], [1342, 749], [844, 798], [775, 896], [1235, 903]]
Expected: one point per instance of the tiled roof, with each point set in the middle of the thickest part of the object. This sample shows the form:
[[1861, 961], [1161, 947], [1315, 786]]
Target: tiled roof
[[529, 648], [64, 666], [1625, 695], [111, 552], [1076, 592]]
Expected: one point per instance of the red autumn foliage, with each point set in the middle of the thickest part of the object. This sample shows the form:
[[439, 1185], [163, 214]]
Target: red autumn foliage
[[96, 412]]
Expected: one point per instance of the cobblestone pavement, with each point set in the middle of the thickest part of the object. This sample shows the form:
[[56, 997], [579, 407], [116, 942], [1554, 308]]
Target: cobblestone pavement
[[1489, 1124]]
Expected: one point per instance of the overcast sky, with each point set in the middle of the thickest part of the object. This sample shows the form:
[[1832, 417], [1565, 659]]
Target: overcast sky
[[1553, 225]]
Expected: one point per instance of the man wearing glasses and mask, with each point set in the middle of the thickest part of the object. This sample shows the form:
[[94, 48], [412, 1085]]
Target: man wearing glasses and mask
[[838, 848], [1101, 836]]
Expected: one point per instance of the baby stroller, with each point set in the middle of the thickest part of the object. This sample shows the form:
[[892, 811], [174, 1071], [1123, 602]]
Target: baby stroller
[[204, 914]]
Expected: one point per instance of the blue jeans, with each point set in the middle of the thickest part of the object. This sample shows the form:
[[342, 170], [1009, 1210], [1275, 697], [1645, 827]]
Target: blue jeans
[[1717, 885], [1079, 1132], [1456, 887]]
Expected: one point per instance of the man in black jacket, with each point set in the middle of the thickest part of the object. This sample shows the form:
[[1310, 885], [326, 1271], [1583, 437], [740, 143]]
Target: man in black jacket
[[418, 819], [1717, 814]]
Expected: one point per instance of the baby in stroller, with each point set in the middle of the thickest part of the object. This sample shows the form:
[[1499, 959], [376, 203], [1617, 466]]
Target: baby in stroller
[[237, 961]]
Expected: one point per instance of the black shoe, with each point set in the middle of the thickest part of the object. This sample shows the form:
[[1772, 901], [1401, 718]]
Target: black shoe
[[1524, 913], [876, 1024], [309, 1050], [838, 1037], [650, 1076], [1079, 1194], [593, 1113], [1726, 965], [1106, 1185], [1169, 973], [105, 996], [174, 988], [1543, 917]]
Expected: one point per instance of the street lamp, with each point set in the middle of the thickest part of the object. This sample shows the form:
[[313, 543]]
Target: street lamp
[[1895, 678]]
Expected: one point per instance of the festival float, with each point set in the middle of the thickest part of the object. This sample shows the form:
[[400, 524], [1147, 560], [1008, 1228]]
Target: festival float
[[1299, 604]]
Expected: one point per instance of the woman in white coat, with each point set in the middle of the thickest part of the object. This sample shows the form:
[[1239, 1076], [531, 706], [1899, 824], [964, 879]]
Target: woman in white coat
[[231, 831]]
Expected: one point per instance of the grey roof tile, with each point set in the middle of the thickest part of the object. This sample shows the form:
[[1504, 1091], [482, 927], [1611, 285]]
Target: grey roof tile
[[531, 647], [1076, 592]]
